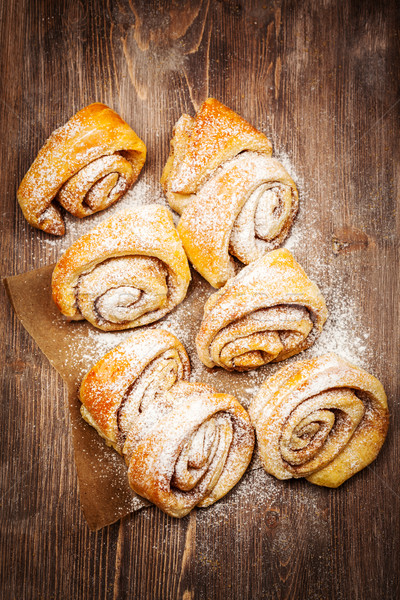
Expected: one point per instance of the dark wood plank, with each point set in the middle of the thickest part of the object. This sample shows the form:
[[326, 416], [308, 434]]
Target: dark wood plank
[[321, 80]]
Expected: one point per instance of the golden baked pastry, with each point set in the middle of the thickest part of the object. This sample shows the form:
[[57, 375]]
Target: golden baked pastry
[[129, 271], [86, 165], [233, 198], [270, 311], [193, 452], [184, 444], [323, 419], [126, 380]]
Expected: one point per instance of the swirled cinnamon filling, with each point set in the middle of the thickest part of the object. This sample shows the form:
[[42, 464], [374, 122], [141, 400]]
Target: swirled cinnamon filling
[[204, 454], [122, 289], [97, 185], [319, 428], [159, 376], [263, 336]]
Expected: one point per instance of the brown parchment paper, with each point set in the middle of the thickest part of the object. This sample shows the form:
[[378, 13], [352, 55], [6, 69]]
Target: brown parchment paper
[[74, 347]]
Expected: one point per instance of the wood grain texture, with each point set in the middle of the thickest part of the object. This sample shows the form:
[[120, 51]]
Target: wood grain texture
[[321, 80]]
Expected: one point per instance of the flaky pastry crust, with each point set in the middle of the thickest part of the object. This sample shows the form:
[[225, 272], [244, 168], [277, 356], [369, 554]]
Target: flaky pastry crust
[[120, 385], [127, 272], [194, 453], [184, 444], [86, 165], [270, 311], [233, 198], [323, 419]]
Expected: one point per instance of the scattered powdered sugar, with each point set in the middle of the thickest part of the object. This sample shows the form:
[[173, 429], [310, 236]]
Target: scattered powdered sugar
[[305, 232], [97, 343], [344, 334], [259, 503], [102, 342], [255, 488]]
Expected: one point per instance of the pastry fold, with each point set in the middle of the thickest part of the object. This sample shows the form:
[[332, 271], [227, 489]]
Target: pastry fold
[[86, 165], [233, 198], [270, 311], [184, 444], [126, 380], [193, 453], [323, 419], [129, 271]]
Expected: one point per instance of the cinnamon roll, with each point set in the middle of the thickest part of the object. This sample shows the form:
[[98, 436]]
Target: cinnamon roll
[[233, 198], [192, 454], [127, 380], [129, 271], [323, 419], [86, 165], [184, 444], [270, 311]]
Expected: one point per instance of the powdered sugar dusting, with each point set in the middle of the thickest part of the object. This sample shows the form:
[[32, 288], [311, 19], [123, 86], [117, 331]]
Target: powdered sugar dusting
[[344, 333]]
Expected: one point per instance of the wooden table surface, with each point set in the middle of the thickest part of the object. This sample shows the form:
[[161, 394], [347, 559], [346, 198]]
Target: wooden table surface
[[321, 80]]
